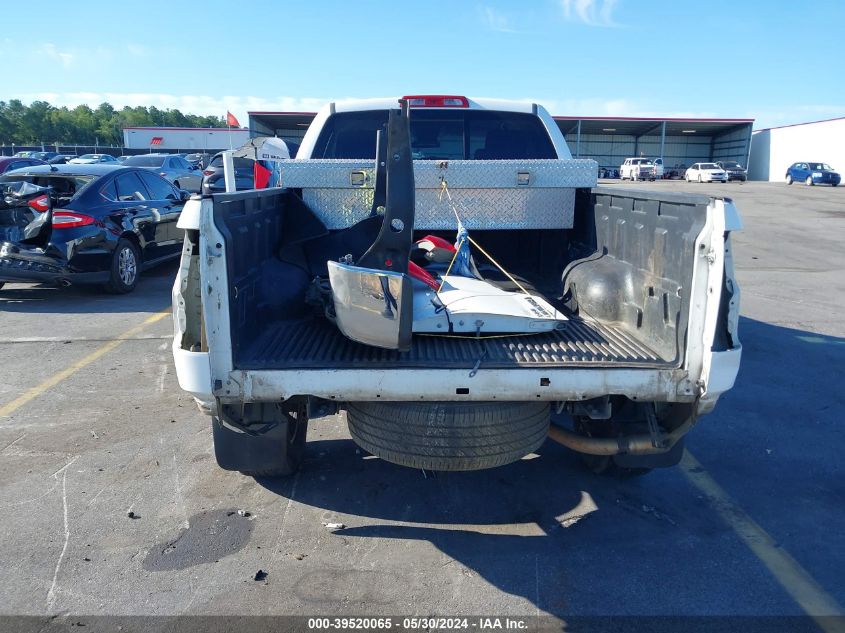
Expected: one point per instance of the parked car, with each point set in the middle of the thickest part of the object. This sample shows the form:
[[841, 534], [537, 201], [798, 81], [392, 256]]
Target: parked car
[[812, 174], [733, 169], [659, 172], [8, 163], [676, 172], [45, 156], [171, 166], [198, 159], [706, 172], [98, 224], [213, 181], [89, 159], [637, 169], [61, 159]]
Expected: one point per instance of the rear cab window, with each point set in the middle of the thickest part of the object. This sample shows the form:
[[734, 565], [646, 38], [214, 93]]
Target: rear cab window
[[440, 135]]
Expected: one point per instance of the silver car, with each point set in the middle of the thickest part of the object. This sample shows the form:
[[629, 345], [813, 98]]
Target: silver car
[[90, 159], [170, 166]]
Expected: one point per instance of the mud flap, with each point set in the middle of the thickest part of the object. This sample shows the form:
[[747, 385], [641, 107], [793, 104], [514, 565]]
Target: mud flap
[[258, 451]]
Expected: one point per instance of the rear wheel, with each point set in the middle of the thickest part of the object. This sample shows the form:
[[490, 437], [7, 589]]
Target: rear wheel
[[449, 435], [809, 181], [125, 266], [788, 179]]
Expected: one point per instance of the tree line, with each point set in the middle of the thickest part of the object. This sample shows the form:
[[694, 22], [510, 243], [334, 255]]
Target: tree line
[[41, 122]]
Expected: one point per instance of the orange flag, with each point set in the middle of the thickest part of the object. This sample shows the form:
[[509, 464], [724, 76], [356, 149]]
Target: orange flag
[[231, 121]]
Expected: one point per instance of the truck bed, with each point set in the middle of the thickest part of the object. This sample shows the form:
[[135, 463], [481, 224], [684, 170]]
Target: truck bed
[[318, 344]]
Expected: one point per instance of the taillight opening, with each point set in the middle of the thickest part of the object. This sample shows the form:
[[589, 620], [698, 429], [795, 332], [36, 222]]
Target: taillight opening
[[436, 101], [70, 219], [207, 172], [40, 204]]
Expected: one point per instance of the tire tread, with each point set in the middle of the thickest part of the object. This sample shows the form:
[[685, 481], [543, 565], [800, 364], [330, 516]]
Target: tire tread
[[449, 436]]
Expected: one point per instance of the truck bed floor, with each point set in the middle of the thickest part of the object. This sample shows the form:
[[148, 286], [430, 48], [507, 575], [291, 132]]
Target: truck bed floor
[[318, 344]]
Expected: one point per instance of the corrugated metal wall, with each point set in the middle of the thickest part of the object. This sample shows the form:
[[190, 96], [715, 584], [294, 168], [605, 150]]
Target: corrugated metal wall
[[610, 150], [733, 145]]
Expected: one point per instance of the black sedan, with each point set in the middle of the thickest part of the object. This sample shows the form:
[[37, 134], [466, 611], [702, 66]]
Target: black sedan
[[106, 224], [8, 163], [45, 156]]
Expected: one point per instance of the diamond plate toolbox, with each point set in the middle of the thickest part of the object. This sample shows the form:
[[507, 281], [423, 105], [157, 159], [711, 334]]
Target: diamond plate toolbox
[[488, 194]]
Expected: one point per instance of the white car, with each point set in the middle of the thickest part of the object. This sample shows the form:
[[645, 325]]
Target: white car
[[88, 159], [706, 172]]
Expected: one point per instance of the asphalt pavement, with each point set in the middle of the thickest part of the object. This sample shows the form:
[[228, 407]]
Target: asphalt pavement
[[111, 502]]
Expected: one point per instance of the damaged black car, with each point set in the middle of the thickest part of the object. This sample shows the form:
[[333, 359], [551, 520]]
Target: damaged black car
[[86, 224]]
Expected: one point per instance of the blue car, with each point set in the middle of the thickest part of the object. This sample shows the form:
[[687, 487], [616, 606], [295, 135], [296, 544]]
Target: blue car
[[812, 174]]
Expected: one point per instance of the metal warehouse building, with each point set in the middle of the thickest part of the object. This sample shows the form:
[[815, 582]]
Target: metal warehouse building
[[773, 150], [198, 139], [681, 142]]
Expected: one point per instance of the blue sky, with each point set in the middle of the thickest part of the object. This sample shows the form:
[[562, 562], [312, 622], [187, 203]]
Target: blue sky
[[776, 61]]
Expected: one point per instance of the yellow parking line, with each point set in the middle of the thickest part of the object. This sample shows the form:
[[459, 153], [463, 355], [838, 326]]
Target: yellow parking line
[[9, 408], [795, 580]]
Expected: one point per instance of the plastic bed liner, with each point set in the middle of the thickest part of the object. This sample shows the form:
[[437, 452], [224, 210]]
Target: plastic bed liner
[[318, 344]]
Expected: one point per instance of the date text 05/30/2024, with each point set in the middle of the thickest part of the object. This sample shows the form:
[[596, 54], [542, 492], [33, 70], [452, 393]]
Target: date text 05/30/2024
[[481, 623]]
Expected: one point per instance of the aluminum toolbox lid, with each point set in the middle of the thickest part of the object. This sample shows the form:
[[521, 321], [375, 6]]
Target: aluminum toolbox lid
[[491, 194], [483, 174]]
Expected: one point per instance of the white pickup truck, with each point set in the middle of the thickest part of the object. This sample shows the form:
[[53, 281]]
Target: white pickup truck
[[639, 169], [301, 300]]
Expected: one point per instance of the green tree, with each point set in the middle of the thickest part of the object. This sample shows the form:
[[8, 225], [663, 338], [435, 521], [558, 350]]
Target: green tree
[[41, 122]]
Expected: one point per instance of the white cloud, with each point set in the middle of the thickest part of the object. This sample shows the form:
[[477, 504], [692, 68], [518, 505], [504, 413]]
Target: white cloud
[[497, 21], [590, 12], [65, 58]]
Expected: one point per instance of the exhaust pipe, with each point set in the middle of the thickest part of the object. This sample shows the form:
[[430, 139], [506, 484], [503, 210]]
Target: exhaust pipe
[[625, 445]]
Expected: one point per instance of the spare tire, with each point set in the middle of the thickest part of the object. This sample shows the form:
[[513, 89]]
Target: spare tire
[[449, 435]]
